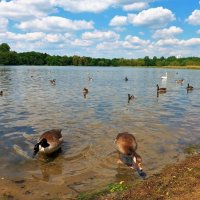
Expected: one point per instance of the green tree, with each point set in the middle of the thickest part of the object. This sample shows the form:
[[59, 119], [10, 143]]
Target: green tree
[[4, 47]]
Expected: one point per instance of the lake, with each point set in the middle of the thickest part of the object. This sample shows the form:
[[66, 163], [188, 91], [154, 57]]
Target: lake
[[162, 125]]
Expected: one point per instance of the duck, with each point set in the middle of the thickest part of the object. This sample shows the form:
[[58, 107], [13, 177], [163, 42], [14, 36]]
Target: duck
[[1, 93], [164, 77], [53, 82], [90, 78], [127, 146], [189, 87], [130, 97], [180, 81], [85, 92], [126, 78], [161, 90], [49, 142]]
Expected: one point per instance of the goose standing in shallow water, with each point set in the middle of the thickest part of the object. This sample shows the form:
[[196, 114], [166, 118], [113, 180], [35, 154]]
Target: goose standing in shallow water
[[49, 142], [127, 145]]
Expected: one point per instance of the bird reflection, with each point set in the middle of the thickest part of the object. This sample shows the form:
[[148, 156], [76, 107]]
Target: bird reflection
[[49, 167]]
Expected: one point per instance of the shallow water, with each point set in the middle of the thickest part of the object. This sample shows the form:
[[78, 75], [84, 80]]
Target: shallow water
[[31, 105]]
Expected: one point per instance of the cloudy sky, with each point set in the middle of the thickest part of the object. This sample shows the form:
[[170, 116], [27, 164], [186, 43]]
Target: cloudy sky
[[102, 28]]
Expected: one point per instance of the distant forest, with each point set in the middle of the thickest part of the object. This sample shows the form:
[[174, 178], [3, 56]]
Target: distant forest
[[8, 57]]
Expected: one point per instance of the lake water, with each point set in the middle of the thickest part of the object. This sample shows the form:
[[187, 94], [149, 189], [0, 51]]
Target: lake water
[[162, 125]]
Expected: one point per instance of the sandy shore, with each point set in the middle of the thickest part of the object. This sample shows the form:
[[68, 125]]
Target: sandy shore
[[180, 181]]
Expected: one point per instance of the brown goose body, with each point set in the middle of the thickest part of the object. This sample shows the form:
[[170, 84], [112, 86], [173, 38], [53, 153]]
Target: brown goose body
[[49, 142], [126, 143], [130, 97], [127, 146], [161, 90], [189, 87]]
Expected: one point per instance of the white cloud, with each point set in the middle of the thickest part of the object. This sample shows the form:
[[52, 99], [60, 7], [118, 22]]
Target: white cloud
[[55, 24], [3, 24], [135, 6], [167, 32], [81, 43], [136, 41], [175, 42], [100, 35], [194, 18], [130, 42], [85, 5], [21, 37], [23, 9], [118, 21], [153, 17]]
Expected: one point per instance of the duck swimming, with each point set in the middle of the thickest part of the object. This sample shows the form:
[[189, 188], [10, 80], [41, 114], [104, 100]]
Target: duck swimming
[[189, 87], [164, 77], [130, 97], [85, 92], [49, 142], [161, 90], [53, 82], [126, 78], [180, 81]]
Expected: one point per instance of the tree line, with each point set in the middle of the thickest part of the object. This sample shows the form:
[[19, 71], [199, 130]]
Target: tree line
[[8, 57]]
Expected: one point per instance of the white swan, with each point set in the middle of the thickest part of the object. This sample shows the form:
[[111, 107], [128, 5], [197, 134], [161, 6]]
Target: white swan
[[164, 77]]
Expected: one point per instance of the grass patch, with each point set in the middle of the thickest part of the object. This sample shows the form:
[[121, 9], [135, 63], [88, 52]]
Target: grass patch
[[111, 188]]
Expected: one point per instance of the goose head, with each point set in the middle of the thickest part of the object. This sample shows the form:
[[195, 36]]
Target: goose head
[[42, 144]]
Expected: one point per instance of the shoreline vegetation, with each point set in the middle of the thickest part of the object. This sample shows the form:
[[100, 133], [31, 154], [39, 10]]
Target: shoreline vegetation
[[8, 57]]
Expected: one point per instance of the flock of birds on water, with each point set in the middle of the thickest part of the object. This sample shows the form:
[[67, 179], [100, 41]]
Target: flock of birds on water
[[51, 141]]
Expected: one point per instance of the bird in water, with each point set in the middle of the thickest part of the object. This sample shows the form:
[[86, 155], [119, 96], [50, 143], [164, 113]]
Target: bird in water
[[180, 81], [1, 93], [126, 78], [127, 146], [161, 90], [164, 77], [130, 97], [85, 92], [49, 142], [189, 87], [53, 82]]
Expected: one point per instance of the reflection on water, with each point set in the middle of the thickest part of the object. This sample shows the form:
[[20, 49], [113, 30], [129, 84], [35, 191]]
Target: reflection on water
[[30, 105]]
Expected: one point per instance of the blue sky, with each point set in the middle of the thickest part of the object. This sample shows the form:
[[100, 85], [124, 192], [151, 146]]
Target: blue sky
[[102, 28]]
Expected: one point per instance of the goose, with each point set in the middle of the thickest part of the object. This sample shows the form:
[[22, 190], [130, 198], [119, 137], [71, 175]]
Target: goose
[[189, 87], [90, 78], [164, 77], [1, 93], [161, 90], [126, 78], [130, 97], [85, 92], [127, 146], [49, 142], [53, 82], [180, 81]]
